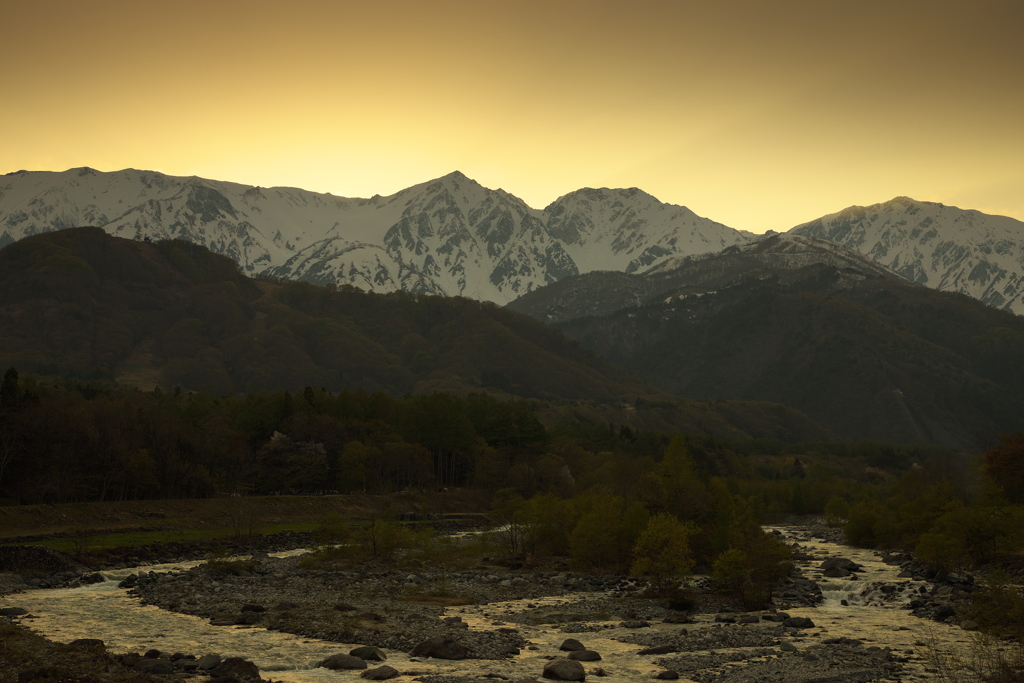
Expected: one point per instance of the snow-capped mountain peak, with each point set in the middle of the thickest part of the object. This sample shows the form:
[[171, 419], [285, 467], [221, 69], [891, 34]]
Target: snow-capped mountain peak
[[943, 247], [450, 235], [630, 230]]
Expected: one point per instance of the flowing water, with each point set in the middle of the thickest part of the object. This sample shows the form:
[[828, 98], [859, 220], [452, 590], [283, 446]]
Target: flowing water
[[872, 614], [875, 610]]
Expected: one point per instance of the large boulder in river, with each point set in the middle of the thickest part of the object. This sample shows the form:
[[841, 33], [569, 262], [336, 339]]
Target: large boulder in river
[[343, 661], [441, 647], [562, 669], [239, 668], [571, 645], [381, 673], [836, 573], [369, 653], [207, 662], [841, 563], [584, 656]]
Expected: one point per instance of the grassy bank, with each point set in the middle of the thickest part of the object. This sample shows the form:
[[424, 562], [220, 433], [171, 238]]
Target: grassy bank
[[74, 527]]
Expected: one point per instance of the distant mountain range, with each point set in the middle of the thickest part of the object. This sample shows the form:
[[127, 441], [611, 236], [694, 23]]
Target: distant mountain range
[[449, 236], [452, 236], [812, 325]]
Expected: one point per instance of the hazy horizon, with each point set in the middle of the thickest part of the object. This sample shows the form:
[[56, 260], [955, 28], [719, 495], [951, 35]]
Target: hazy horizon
[[757, 115]]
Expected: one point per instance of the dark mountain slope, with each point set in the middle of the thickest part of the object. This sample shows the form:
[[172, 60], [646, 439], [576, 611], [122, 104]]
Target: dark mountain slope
[[865, 353], [81, 303]]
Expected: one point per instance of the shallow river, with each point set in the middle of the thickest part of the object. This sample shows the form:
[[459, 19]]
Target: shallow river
[[870, 614], [106, 612]]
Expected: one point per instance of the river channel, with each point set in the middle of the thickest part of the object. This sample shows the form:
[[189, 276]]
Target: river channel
[[870, 614]]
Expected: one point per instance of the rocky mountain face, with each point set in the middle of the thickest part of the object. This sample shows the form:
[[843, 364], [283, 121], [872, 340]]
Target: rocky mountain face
[[449, 236], [939, 246], [812, 325], [629, 230], [786, 259]]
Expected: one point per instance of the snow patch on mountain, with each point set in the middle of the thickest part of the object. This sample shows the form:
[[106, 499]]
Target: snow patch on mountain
[[943, 247]]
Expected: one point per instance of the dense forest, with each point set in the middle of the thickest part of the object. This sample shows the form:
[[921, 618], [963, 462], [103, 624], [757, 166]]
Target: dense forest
[[594, 491]]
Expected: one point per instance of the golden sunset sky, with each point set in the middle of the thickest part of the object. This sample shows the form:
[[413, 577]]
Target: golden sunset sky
[[755, 113]]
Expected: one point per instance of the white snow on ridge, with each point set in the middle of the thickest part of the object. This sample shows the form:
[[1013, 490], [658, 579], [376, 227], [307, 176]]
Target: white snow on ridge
[[452, 236], [629, 230], [447, 236], [943, 247]]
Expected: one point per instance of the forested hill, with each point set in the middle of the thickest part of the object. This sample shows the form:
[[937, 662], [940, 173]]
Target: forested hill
[[80, 303], [792, 320], [85, 304]]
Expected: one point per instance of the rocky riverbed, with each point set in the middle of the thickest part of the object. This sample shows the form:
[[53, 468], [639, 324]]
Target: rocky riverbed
[[490, 623]]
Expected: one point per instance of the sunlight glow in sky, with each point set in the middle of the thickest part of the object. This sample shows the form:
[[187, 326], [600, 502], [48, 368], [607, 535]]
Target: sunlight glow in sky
[[755, 113]]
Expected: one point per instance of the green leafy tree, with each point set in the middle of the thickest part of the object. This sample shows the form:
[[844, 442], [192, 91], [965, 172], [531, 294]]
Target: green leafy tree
[[836, 511], [770, 562], [997, 606], [860, 529], [966, 536], [606, 532], [352, 467], [1004, 465], [750, 572], [663, 551], [507, 511], [731, 573], [384, 538], [331, 531], [547, 520]]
